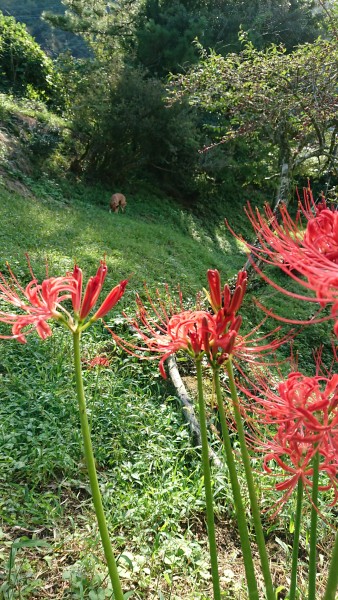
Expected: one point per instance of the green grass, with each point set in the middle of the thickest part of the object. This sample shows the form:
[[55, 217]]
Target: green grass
[[155, 240], [149, 469]]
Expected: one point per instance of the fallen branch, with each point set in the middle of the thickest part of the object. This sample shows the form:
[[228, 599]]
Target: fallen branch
[[188, 408]]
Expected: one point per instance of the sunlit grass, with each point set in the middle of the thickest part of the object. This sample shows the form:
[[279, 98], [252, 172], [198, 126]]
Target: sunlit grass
[[149, 469]]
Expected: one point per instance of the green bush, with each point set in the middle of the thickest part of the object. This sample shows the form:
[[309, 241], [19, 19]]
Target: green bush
[[25, 69]]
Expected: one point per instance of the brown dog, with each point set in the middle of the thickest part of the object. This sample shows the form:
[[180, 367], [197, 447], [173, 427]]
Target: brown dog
[[117, 201]]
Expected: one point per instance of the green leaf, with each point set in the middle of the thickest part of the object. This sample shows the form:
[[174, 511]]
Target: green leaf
[[29, 543], [127, 560]]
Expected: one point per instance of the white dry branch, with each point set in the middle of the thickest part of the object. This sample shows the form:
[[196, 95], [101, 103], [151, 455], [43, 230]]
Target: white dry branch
[[188, 408]]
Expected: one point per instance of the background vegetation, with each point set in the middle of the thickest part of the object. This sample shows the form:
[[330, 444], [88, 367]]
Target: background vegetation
[[90, 114]]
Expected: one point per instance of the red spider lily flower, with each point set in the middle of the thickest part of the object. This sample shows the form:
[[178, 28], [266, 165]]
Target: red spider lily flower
[[112, 299], [77, 295], [39, 303], [305, 413], [196, 332], [307, 252], [230, 303], [92, 292], [214, 295], [189, 331], [294, 457], [97, 361], [312, 400]]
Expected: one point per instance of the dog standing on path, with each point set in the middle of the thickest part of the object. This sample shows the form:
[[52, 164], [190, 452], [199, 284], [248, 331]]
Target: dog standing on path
[[117, 201]]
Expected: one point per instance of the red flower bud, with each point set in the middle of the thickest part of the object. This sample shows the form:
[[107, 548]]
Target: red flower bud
[[215, 289], [76, 296], [112, 299], [93, 289]]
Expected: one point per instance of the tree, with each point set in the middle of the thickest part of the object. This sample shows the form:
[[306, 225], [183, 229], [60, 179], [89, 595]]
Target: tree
[[123, 129], [166, 29], [103, 24], [165, 35], [286, 100]]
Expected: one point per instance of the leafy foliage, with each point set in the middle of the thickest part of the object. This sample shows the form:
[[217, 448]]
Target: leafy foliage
[[122, 126], [166, 30], [287, 100], [25, 68], [165, 35]]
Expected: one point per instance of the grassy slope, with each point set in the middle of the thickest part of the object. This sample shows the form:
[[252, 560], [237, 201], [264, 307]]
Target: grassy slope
[[155, 240], [149, 471], [148, 467]]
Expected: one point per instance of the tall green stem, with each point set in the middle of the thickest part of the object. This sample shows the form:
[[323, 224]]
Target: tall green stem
[[240, 510], [207, 485], [270, 594], [295, 550], [313, 530], [94, 484], [332, 580]]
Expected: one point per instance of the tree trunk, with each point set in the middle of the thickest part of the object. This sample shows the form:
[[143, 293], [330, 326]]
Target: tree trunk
[[283, 193]]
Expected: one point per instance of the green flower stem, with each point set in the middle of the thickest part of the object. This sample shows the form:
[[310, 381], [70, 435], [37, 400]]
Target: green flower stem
[[332, 580], [270, 594], [313, 529], [240, 510], [94, 484], [295, 550], [207, 485]]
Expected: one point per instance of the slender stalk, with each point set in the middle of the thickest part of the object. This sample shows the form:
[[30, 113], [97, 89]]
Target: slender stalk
[[94, 484], [313, 530], [240, 510], [295, 550], [332, 580], [270, 594], [207, 485]]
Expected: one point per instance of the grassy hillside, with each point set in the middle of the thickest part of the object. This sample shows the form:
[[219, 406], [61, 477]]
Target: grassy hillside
[[148, 466], [155, 240]]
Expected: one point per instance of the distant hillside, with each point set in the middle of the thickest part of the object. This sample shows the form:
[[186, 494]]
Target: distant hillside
[[53, 41]]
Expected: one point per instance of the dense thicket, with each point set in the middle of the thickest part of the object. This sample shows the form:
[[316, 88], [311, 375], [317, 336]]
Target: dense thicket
[[258, 105], [166, 30], [287, 101]]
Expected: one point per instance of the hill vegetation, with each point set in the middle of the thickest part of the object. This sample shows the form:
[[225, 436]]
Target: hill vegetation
[[188, 150]]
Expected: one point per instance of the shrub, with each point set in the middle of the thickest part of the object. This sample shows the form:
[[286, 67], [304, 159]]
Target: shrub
[[25, 68]]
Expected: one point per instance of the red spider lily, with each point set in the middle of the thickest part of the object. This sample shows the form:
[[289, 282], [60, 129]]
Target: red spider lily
[[224, 300], [312, 400], [309, 257], [294, 457], [304, 410], [97, 361], [92, 292], [214, 295], [197, 332], [39, 303]]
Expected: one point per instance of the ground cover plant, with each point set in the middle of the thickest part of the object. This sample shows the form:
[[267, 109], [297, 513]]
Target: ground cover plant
[[166, 509], [157, 451], [198, 340]]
